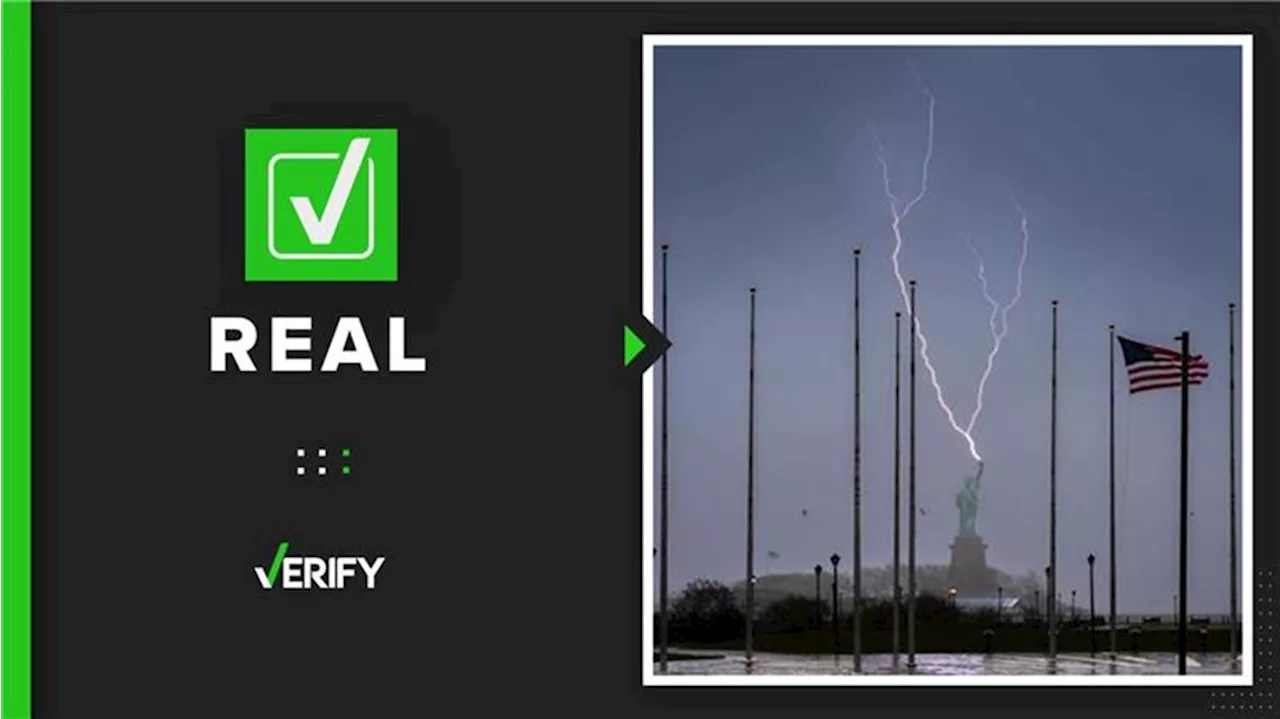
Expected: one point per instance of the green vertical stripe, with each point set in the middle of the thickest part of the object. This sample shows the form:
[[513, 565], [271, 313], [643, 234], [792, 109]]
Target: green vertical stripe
[[15, 359]]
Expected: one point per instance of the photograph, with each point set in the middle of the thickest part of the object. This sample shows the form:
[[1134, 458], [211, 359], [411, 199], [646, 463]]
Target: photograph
[[959, 382]]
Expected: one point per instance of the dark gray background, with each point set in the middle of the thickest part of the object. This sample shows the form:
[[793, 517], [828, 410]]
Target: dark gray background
[[495, 485], [502, 486]]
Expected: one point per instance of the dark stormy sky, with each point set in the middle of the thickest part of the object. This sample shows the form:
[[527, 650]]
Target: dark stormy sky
[[1127, 162]]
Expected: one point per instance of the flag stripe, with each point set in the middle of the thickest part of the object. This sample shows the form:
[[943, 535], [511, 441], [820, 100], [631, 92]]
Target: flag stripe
[[1168, 368], [1160, 385], [1150, 367], [1165, 373], [1195, 362]]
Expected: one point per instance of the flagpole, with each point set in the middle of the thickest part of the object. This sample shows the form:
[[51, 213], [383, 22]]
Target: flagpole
[[1111, 351], [662, 597], [911, 495], [1053, 493], [751, 470], [1231, 472], [1182, 536], [897, 479], [857, 466]]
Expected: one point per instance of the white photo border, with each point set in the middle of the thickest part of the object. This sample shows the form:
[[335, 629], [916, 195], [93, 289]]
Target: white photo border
[[1245, 43]]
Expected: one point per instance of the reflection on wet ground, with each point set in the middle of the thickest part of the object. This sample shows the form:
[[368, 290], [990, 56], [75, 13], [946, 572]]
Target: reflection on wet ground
[[729, 663]]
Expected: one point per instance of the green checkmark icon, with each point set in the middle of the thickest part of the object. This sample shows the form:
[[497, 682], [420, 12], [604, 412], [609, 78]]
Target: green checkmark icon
[[275, 563], [321, 204], [319, 230]]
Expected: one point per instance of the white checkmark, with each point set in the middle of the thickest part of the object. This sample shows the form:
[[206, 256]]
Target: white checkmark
[[320, 230]]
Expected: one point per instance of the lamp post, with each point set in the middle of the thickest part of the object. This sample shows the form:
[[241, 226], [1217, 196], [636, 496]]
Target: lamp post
[[951, 593], [1073, 605], [999, 604], [835, 601], [817, 594], [1093, 631]]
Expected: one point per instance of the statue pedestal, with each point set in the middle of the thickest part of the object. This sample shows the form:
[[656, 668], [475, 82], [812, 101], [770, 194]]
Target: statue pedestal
[[969, 573]]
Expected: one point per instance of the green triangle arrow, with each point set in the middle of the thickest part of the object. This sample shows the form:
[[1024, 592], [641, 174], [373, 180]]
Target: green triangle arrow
[[632, 345]]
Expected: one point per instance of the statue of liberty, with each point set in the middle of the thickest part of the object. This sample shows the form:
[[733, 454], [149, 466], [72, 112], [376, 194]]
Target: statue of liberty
[[967, 503]]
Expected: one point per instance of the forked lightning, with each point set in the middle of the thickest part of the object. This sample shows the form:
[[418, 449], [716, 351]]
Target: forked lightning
[[999, 321]]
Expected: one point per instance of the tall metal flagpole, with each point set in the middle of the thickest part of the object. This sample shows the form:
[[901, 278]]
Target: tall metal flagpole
[[662, 597], [1053, 493], [897, 479], [911, 495], [857, 466], [751, 478], [1231, 472], [1182, 535], [1111, 350]]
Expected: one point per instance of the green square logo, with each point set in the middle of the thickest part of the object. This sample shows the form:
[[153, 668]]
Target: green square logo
[[320, 205]]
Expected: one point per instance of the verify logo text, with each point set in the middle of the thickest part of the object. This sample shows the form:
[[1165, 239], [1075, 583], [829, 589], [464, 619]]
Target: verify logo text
[[303, 572]]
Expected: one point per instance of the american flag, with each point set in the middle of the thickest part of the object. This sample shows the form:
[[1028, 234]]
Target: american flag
[[1151, 367]]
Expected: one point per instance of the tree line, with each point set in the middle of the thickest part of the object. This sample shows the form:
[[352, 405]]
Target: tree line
[[707, 611]]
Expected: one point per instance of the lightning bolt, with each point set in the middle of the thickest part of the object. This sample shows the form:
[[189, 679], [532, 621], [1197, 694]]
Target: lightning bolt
[[997, 310], [999, 319]]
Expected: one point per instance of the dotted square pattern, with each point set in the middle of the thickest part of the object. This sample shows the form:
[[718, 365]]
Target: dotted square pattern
[[322, 470], [1259, 699]]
